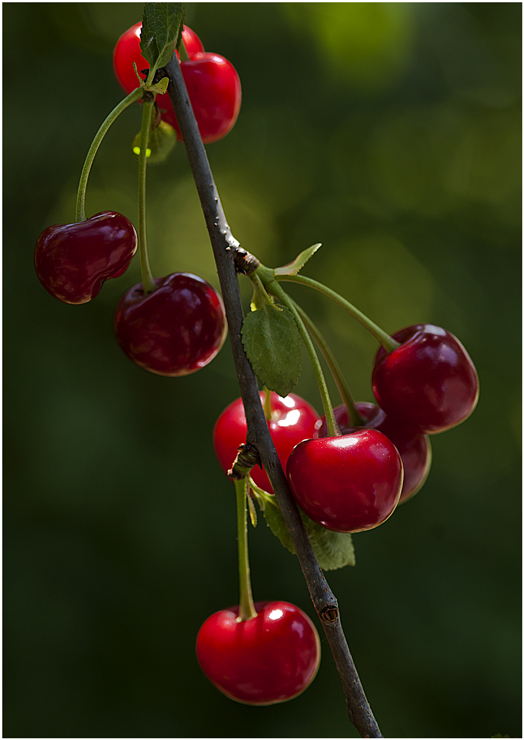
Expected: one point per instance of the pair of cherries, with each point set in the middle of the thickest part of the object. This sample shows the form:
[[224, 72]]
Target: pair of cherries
[[354, 482], [174, 330], [212, 83]]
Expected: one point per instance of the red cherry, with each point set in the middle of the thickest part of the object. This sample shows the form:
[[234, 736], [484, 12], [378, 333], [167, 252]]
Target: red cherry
[[73, 261], [429, 382], [214, 89], [349, 483], [212, 83], [176, 329], [268, 659], [414, 448], [293, 420], [127, 51]]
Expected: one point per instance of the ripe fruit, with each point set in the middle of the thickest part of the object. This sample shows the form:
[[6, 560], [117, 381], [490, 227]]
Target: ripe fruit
[[414, 448], [265, 660], [349, 483], [73, 261], [212, 83], [127, 51], [292, 420], [214, 89], [429, 382], [174, 330]]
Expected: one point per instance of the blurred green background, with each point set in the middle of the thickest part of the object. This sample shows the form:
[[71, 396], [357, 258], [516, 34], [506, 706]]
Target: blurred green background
[[391, 133]]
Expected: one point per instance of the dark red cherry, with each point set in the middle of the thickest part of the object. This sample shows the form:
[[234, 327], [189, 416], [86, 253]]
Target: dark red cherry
[[174, 330], [429, 382], [292, 420], [414, 448], [268, 659], [73, 261], [349, 483]]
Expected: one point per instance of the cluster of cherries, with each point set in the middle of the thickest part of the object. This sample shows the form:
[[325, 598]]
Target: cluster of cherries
[[179, 326], [347, 483], [353, 482], [172, 330], [212, 83]]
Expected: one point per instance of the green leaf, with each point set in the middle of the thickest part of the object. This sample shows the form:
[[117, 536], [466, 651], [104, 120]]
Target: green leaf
[[275, 522], [161, 25], [160, 87], [162, 139], [273, 346], [293, 268], [333, 549]]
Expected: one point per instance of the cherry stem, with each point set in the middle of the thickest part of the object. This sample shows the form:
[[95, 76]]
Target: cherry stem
[[247, 607], [148, 282], [80, 213], [345, 395], [268, 413], [383, 337], [279, 292]]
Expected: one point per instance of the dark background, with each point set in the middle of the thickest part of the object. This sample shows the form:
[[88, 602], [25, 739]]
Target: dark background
[[390, 133]]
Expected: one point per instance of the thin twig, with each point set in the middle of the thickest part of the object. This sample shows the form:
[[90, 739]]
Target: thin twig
[[224, 247]]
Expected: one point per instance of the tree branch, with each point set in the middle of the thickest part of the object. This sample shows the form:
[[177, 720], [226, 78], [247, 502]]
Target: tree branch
[[225, 249]]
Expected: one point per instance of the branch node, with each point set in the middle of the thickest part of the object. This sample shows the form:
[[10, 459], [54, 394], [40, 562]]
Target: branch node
[[247, 457], [329, 614], [244, 262]]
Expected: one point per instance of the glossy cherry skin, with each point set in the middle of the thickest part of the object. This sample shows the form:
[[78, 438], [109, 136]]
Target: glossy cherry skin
[[429, 382], [73, 261], [265, 660], [127, 50], [212, 83], [174, 330], [292, 420], [213, 86], [349, 483], [414, 448]]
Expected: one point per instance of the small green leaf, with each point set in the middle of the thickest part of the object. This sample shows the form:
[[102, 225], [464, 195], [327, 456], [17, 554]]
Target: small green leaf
[[272, 343], [298, 263], [275, 522], [162, 139], [333, 549], [161, 25], [160, 87]]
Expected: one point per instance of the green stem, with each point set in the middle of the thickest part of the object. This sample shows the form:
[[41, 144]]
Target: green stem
[[247, 607], [267, 404], [354, 417], [148, 282], [80, 214], [277, 290], [385, 340]]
